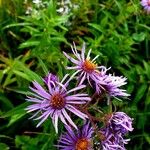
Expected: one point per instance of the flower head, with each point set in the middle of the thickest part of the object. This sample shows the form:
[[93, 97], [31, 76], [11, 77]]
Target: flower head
[[55, 101], [111, 84], [51, 78], [112, 134], [37, 1], [146, 5], [96, 75], [87, 68], [120, 122], [111, 140], [79, 140]]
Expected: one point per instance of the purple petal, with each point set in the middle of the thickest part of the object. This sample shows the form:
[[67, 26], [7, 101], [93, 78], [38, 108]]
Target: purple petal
[[76, 112], [68, 118]]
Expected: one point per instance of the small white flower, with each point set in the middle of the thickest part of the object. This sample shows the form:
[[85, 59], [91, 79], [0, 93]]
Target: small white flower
[[37, 1]]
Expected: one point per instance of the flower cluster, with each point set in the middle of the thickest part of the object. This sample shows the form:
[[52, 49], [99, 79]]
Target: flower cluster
[[59, 100], [96, 75], [121, 123], [33, 9], [65, 7], [113, 133]]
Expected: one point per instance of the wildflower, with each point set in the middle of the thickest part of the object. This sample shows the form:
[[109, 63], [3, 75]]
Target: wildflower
[[50, 78], [111, 140], [37, 2], [29, 10], [54, 102], [79, 140], [146, 5], [120, 122], [111, 85], [112, 135], [87, 68], [65, 7]]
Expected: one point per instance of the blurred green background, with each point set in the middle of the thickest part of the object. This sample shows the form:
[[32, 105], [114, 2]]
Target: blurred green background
[[32, 38]]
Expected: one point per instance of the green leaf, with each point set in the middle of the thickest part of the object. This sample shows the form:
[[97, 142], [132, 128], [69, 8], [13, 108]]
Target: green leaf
[[6, 101], [16, 117], [3, 146], [23, 75], [139, 36], [26, 142], [45, 69], [5, 137], [96, 26], [1, 74], [30, 29], [9, 79], [16, 113], [17, 110], [147, 138], [131, 8], [29, 44], [17, 24], [147, 69], [26, 73], [144, 26], [147, 101], [140, 93], [20, 90]]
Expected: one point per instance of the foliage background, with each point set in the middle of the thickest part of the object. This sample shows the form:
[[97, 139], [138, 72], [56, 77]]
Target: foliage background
[[32, 44]]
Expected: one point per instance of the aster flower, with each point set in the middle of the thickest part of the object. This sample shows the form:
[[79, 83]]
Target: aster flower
[[81, 139], [87, 68], [111, 85], [50, 78], [112, 135], [111, 140], [120, 122], [55, 101], [96, 75], [146, 5]]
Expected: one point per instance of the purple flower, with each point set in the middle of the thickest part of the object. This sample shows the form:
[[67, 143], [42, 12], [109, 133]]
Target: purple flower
[[51, 78], [112, 135], [146, 5], [96, 75], [111, 85], [87, 68], [111, 140], [79, 140], [55, 101], [120, 122]]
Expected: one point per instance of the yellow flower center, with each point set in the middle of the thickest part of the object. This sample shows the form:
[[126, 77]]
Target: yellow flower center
[[57, 101], [82, 144], [88, 66]]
